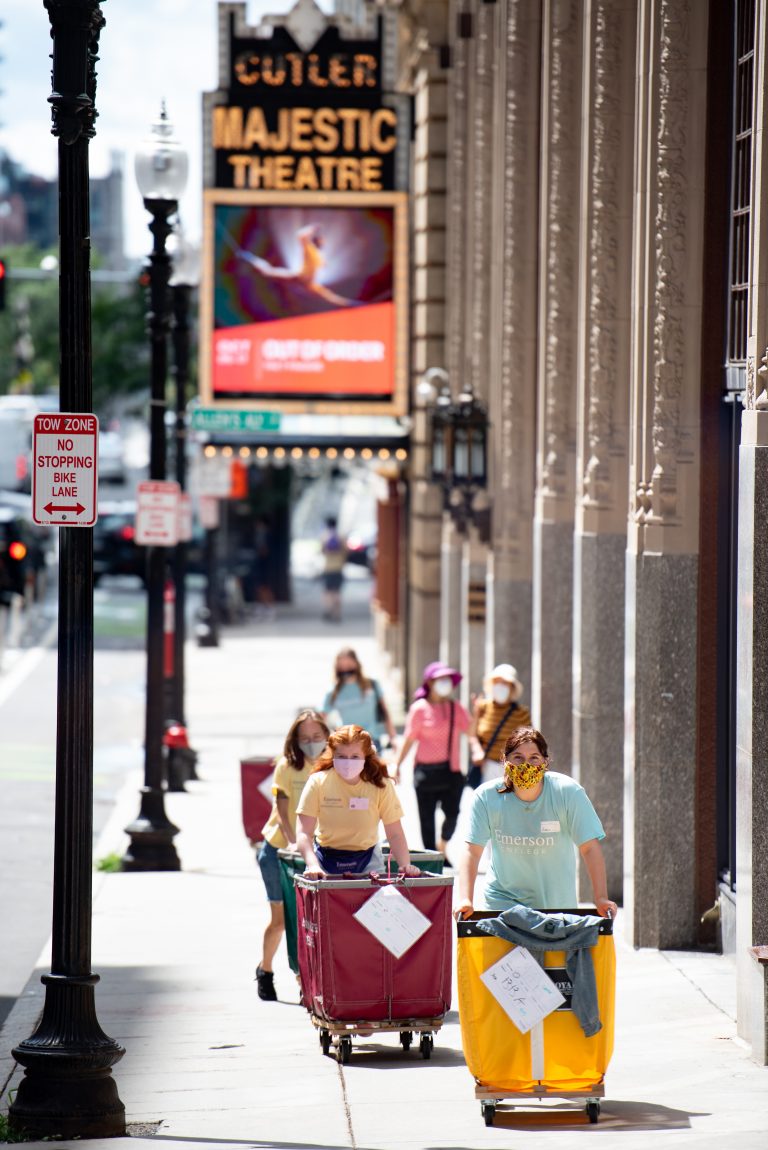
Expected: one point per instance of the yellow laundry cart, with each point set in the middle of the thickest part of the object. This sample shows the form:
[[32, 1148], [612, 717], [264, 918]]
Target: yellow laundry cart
[[552, 1059]]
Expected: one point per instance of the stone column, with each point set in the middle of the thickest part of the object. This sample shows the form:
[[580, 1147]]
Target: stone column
[[751, 733], [752, 610], [551, 682], [451, 598], [512, 354], [456, 331], [473, 593], [427, 350], [476, 209], [603, 413], [662, 556]]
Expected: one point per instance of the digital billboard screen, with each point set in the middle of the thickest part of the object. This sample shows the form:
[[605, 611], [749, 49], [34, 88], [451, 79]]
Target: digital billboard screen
[[304, 304]]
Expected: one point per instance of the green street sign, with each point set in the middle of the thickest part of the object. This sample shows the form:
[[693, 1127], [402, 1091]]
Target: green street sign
[[213, 419]]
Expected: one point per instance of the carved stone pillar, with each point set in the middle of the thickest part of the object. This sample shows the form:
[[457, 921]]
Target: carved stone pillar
[[473, 593], [751, 738], [752, 612], [512, 356], [551, 682], [603, 414], [427, 350], [451, 594], [662, 560], [456, 243], [476, 210]]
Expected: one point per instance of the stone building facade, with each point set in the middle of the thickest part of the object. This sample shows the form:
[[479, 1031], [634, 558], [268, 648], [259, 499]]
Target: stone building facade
[[588, 253]]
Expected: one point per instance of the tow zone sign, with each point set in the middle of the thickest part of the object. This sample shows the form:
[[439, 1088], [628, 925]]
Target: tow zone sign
[[157, 513], [64, 473]]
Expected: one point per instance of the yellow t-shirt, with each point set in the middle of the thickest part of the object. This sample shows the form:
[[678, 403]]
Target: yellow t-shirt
[[348, 814], [289, 782]]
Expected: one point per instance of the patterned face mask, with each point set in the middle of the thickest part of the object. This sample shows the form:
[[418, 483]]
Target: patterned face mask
[[525, 776]]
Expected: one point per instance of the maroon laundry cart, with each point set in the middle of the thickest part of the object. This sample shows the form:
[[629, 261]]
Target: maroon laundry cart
[[255, 779], [351, 982]]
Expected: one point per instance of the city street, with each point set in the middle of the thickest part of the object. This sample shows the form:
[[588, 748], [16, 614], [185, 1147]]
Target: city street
[[28, 762], [207, 1061]]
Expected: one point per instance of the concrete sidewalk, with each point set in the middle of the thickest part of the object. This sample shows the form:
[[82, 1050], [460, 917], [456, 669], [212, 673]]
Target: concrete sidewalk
[[207, 1061]]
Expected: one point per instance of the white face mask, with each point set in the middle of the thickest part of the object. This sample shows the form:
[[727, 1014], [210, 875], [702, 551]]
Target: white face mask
[[500, 692], [313, 750], [443, 687], [349, 769]]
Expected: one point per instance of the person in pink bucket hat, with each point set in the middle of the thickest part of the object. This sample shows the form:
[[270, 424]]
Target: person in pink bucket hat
[[433, 725]]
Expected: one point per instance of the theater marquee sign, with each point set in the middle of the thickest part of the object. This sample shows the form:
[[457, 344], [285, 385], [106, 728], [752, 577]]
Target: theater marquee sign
[[304, 299]]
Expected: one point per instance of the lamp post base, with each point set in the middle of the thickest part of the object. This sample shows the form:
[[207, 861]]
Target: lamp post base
[[58, 1105], [152, 834], [68, 1090]]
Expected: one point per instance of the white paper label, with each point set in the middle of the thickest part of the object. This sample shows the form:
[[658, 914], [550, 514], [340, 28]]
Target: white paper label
[[358, 803], [393, 920], [548, 828], [522, 988]]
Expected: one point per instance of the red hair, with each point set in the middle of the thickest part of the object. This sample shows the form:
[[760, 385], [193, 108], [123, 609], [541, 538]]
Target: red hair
[[374, 771]]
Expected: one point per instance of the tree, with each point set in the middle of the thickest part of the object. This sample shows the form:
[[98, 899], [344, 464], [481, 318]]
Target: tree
[[29, 339]]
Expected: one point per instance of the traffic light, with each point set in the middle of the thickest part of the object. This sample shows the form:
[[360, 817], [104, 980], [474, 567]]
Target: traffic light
[[3, 278]]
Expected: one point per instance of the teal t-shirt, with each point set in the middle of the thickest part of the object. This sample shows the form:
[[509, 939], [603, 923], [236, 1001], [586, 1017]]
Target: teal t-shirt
[[355, 706], [533, 845]]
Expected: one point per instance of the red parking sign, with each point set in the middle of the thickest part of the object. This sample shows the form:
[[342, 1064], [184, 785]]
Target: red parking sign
[[64, 470]]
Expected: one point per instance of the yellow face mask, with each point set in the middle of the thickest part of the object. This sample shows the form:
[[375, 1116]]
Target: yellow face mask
[[525, 776]]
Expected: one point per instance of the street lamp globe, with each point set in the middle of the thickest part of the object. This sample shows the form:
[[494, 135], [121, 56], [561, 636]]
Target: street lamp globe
[[161, 163]]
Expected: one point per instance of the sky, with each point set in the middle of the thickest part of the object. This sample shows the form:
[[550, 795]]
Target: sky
[[149, 51]]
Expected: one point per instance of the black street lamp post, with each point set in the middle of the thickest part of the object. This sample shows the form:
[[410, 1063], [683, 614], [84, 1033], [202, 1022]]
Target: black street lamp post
[[161, 173], [68, 1088], [183, 281]]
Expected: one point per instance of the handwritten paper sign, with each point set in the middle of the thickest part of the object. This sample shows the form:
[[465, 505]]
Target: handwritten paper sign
[[393, 920], [522, 988]]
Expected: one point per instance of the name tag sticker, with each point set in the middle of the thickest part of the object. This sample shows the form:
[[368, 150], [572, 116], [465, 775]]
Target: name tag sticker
[[548, 827], [356, 803]]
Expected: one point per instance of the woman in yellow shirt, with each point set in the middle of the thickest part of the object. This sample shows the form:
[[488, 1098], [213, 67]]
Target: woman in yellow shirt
[[304, 743], [348, 794]]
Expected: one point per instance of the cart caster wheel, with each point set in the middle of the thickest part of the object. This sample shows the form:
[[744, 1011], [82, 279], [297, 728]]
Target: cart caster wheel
[[488, 1111], [325, 1041], [593, 1111], [406, 1038], [345, 1050], [426, 1042]]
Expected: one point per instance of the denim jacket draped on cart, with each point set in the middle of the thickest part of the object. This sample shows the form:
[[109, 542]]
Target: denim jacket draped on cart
[[538, 931]]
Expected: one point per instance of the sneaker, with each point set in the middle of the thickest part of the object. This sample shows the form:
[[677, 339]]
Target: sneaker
[[265, 981]]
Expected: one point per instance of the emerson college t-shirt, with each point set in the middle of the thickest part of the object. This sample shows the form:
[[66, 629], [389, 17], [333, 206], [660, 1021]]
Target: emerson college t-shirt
[[533, 845], [348, 814]]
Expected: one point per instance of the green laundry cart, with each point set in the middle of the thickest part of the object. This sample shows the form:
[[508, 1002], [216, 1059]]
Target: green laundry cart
[[292, 863]]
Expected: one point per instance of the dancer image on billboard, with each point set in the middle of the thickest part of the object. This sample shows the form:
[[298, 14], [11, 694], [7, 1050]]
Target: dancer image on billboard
[[311, 240], [303, 300]]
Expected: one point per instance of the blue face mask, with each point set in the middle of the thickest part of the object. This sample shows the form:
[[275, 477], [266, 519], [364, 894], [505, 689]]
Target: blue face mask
[[313, 750]]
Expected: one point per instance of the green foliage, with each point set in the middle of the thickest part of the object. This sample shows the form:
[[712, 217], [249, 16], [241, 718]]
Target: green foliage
[[118, 334], [8, 1135], [110, 864]]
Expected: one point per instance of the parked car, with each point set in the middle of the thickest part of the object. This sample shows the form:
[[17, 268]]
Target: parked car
[[115, 550], [111, 458], [26, 551], [361, 548]]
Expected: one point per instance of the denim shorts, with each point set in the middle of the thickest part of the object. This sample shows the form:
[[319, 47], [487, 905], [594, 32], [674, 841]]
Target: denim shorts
[[269, 865]]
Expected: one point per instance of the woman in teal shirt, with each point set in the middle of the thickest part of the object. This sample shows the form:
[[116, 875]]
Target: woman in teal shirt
[[533, 820], [356, 700]]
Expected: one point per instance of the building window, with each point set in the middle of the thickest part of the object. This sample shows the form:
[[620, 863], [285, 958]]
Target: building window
[[741, 190]]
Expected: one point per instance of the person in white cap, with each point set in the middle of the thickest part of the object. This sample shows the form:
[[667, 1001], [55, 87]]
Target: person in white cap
[[496, 714]]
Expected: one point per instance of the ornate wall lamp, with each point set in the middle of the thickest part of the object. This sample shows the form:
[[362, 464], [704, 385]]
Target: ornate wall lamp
[[458, 447]]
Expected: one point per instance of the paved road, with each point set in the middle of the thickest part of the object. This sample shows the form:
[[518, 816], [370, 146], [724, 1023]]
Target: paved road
[[28, 739], [28, 758]]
